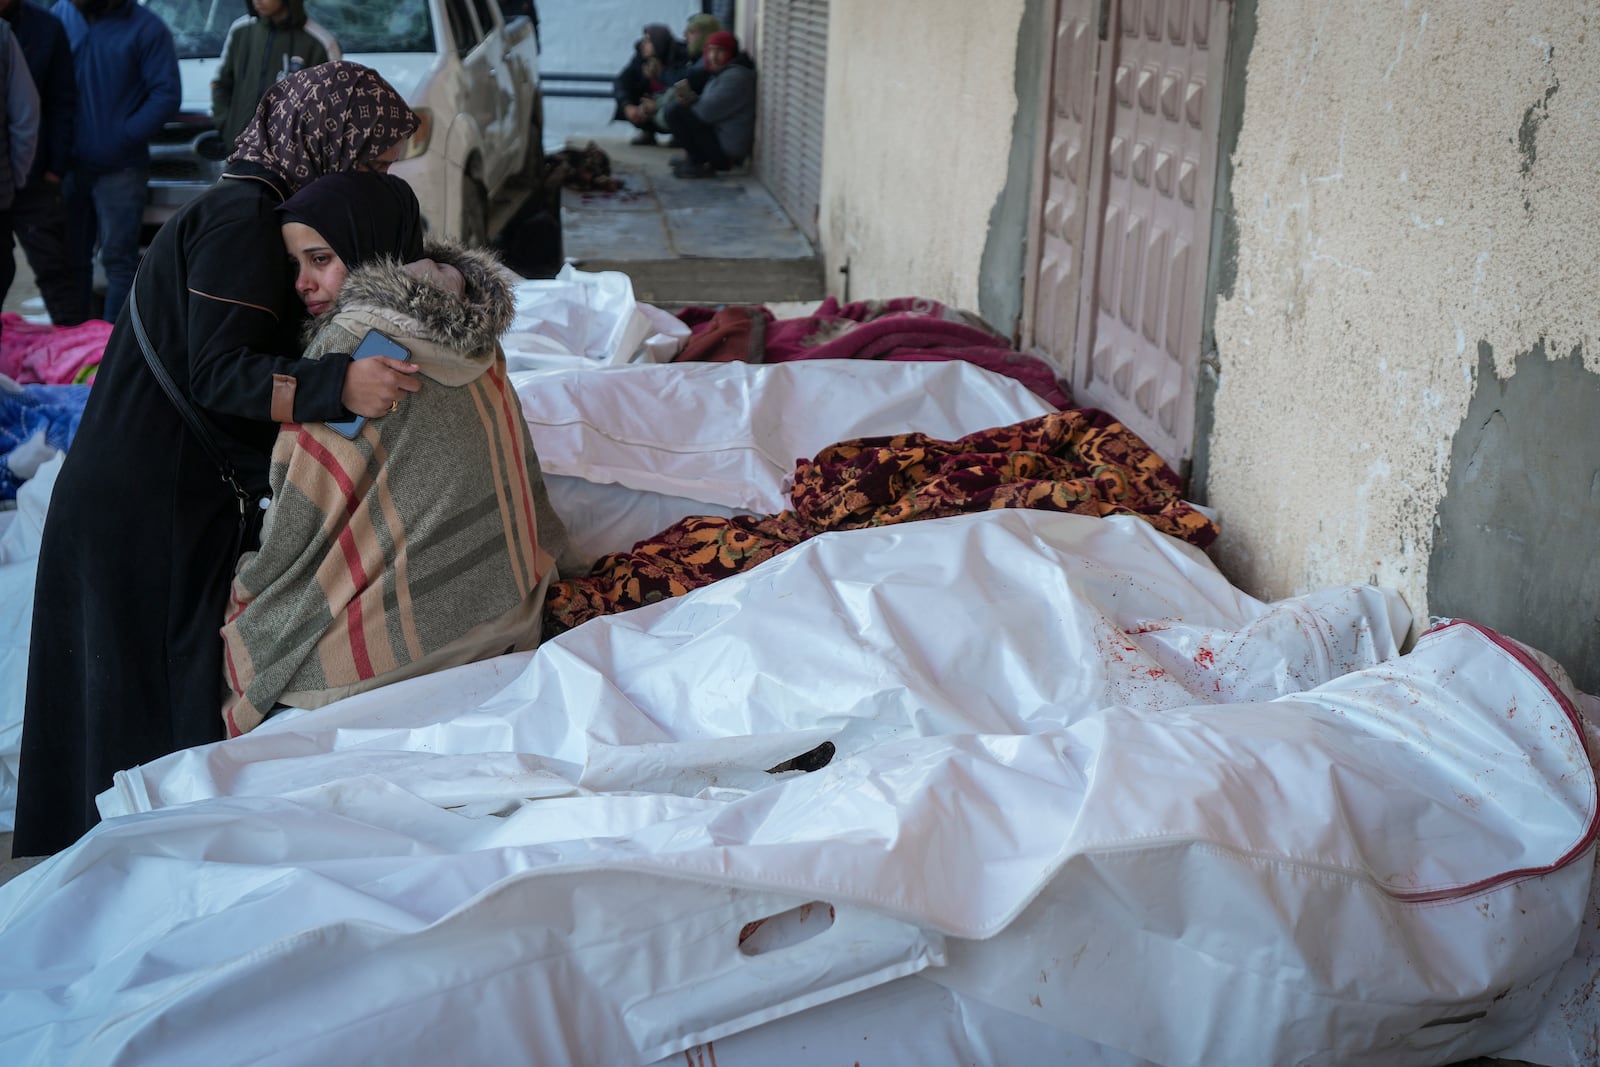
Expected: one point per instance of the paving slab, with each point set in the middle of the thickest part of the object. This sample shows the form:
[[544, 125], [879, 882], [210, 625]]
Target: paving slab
[[710, 241], [618, 234]]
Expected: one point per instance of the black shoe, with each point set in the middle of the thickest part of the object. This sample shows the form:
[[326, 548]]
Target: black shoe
[[695, 170], [643, 137]]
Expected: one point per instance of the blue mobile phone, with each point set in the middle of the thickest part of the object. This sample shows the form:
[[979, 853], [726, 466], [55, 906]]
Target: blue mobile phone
[[375, 343]]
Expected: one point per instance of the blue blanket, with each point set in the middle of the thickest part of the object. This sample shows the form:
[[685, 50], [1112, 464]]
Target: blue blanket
[[32, 416]]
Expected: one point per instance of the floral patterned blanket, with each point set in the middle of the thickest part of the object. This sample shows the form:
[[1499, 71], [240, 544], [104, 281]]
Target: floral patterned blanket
[[1081, 461]]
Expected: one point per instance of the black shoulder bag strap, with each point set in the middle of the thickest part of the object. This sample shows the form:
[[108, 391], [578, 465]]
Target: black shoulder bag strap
[[190, 415]]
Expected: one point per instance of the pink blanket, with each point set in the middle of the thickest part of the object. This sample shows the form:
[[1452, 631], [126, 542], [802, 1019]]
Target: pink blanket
[[906, 328], [40, 354]]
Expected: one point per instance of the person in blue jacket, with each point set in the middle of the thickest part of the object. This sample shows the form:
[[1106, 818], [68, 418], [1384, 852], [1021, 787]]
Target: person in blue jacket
[[38, 213], [126, 67]]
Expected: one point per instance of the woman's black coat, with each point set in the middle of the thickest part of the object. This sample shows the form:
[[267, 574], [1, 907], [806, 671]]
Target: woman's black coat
[[142, 534]]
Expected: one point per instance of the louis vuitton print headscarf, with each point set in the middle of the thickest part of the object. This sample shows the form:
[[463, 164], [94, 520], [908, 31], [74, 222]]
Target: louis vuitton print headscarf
[[323, 120]]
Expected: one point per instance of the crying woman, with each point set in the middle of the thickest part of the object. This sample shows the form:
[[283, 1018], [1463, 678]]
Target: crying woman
[[426, 540]]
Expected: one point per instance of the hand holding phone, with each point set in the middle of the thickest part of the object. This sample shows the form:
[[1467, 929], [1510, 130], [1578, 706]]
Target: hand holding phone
[[392, 374]]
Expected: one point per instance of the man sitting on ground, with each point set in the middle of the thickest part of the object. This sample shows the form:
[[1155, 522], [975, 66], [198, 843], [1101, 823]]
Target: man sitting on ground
[[718, 130], [695, 32]]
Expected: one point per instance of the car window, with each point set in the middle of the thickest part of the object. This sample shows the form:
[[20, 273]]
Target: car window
[[485, 15], [375, 25], [198, 26], [462, 27]]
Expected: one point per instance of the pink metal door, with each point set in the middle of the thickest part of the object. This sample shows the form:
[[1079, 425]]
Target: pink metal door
[[1060, 217], [1135, 344]]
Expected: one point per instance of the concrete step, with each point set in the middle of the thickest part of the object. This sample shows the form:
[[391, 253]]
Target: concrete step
[[717, 281], [714, 241]]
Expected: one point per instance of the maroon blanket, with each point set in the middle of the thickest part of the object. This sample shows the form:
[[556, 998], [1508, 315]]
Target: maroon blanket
[[905, 328]]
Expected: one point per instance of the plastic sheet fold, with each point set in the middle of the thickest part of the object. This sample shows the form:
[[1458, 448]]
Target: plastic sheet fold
[[587, 317], [1086, 803], [729, 433], [19, 560]]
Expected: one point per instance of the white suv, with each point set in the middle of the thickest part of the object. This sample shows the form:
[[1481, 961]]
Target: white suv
[[470, 72]]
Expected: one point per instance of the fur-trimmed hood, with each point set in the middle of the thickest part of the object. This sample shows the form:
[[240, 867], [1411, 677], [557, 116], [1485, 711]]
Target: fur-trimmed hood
[[452, 333]]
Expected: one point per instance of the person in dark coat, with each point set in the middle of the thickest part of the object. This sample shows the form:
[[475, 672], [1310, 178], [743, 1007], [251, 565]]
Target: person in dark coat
[[126, 65], [39, 214], [142, 533], [656, 57], [19, 136]]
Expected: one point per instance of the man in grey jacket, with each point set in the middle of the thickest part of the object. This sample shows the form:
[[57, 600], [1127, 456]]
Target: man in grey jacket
[[718, 129]]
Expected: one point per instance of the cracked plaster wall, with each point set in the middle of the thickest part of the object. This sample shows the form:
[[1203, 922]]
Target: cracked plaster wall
[[1415, 187], [917, 147]]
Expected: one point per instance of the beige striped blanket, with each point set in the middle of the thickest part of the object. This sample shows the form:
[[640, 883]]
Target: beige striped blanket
[[417, 545]]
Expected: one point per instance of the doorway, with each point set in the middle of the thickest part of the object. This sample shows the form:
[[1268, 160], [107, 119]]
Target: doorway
[[1120, 232]]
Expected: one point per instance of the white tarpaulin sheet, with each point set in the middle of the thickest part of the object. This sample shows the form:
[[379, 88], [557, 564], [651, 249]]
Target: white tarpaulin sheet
[[729, 433], [1089, 803], [628, 451], [587, 317], [19, 560], [910, 1022], [1076, 771]]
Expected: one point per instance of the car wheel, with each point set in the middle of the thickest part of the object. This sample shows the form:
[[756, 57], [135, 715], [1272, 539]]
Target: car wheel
[[474, 228]]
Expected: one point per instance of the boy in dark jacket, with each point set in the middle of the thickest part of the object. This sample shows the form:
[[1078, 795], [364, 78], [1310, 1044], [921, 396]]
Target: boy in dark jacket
[[273, 39]]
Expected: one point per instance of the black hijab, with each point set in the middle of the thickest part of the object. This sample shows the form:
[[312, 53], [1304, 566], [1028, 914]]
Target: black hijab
[[362, 216], [660, 35]]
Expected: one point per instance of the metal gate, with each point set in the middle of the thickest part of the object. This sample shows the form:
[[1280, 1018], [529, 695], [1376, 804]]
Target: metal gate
[[793, 58], [1128, 164]]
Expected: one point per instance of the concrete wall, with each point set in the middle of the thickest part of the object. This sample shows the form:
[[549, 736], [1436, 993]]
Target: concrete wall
[[1406, 358], [917, 150]]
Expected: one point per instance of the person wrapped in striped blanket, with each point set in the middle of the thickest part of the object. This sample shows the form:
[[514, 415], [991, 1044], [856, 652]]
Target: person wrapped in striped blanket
[[427, 540]]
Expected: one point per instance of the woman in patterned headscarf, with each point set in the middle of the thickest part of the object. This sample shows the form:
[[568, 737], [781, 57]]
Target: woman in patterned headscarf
[[143, 531]]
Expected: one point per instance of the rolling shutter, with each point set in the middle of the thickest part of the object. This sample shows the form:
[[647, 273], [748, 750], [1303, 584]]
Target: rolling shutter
[[794, 55]]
